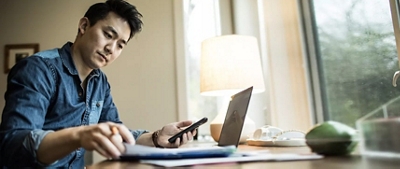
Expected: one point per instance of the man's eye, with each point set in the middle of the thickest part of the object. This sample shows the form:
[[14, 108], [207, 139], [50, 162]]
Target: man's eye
[[121, 46], [107, 35]]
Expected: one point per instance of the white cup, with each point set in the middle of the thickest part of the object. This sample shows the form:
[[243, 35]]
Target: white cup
[[266, 132]]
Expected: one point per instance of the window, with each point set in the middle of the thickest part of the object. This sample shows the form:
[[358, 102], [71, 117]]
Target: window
[[355, 56], [201, 22]]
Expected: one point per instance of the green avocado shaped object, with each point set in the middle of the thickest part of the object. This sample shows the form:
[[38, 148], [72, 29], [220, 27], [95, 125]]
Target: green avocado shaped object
[[331, 138]]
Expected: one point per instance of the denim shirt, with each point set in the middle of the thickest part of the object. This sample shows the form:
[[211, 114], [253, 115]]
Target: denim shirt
[[44, 94]]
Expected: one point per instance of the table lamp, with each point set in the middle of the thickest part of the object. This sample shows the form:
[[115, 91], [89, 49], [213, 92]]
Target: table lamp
[[228, 65]]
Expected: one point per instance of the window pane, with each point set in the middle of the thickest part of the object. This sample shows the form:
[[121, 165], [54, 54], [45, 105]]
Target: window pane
[[357, 56], [200, 24]]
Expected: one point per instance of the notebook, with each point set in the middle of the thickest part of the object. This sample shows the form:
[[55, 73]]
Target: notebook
[[227, 144]]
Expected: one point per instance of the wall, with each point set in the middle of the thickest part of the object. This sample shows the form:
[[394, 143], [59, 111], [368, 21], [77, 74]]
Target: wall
[[142, 79]]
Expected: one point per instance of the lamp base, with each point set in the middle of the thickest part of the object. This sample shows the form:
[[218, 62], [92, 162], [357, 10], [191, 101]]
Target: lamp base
[[216, 126]]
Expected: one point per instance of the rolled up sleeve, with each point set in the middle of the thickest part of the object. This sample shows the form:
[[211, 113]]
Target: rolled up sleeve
[[21, 146], [27, 100], [33, 140], [138, 133]]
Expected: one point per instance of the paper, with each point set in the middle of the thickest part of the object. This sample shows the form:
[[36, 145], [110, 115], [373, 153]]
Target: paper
[[233, 158], [145, 152]]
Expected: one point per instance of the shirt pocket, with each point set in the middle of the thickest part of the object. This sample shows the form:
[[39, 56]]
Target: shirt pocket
[[95, 112]]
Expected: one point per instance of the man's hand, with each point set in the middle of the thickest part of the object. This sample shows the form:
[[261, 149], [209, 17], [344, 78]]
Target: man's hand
[[100, 138], [171, 129]]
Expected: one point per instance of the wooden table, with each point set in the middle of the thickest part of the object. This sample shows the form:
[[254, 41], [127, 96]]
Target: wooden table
[[353, 161]]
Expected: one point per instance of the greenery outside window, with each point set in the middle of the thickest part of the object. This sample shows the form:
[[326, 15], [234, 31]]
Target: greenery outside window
[[353, 56]]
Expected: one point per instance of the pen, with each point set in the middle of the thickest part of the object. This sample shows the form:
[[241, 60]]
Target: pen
[[114, 130]]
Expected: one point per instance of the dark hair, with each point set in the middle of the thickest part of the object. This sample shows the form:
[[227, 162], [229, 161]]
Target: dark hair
[[120, 7]]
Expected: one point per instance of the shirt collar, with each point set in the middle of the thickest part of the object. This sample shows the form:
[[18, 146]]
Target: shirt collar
[[68, 62]]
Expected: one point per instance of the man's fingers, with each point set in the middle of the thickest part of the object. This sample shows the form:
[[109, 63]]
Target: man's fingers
[[177, 142], [189, 136], [107, 139], [112, 150], [184, 138], [116, 139], [119, 134], [103, 146], [109, 146], [194, 132], [126, 134], [100, 150]]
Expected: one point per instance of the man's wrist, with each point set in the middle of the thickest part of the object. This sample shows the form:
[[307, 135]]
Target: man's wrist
[[154, 137], [76, 135]]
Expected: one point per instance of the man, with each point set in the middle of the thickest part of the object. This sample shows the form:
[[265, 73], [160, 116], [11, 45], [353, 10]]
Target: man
[[58, 102]]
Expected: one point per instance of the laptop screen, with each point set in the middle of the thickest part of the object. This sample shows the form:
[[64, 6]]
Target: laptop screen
[[234, 118]]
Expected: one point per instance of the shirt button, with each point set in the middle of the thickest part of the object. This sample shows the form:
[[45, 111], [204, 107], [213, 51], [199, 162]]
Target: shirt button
[[80, 93], [98, 104]]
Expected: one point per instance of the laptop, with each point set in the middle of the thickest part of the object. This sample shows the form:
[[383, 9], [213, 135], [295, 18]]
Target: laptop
[[227, 143], [234, 119]]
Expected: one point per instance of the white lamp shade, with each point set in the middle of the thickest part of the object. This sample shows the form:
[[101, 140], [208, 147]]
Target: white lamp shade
[[230, 64]]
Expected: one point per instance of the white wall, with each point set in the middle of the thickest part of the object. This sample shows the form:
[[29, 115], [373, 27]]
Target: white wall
[[142, 79]]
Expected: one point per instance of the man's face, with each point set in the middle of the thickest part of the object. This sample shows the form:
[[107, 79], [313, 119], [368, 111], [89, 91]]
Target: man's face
[[103, 42]]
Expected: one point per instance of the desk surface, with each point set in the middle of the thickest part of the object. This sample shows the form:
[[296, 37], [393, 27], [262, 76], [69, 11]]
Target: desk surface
[[353, 161]]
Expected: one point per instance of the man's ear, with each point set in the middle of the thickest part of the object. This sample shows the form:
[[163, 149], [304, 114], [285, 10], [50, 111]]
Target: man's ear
[[83, 25]]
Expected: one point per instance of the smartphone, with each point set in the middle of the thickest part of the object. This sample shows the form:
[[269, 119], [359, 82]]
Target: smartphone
[[190, 128]]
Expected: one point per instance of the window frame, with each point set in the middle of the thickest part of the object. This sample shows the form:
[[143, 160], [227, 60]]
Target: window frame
[[180, 59], [311, 49]]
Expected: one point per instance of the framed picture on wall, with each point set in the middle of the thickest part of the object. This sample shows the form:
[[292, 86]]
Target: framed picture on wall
[[16, 52]]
